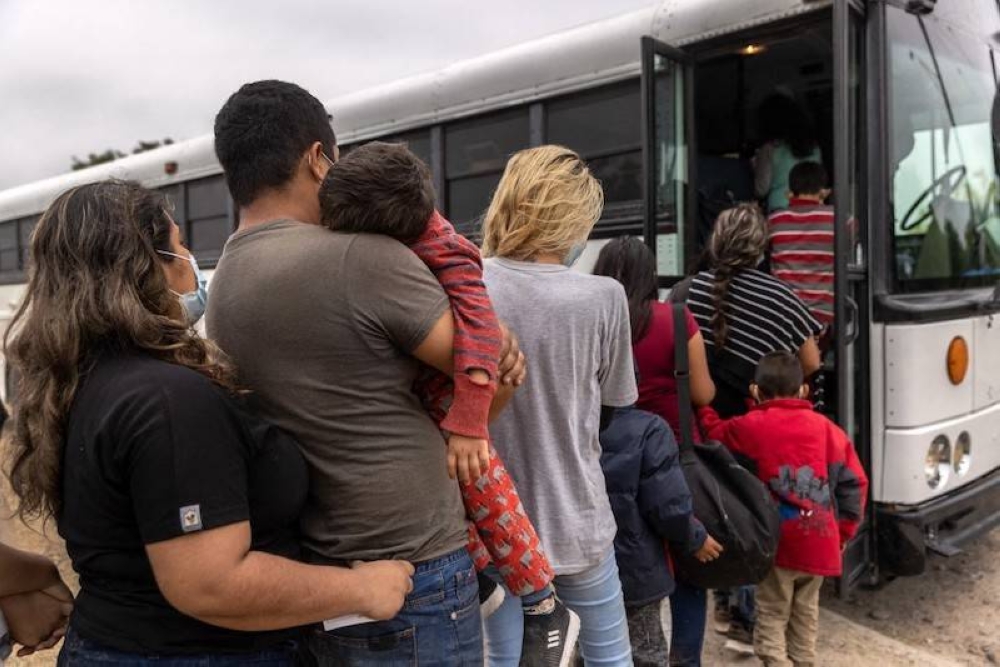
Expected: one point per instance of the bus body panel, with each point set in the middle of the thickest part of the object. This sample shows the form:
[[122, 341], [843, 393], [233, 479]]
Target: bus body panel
[[985, 362], [920, 351]]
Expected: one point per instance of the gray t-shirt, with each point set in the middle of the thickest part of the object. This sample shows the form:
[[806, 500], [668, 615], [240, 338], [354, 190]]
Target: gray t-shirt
[[574, 330], [320, 326]]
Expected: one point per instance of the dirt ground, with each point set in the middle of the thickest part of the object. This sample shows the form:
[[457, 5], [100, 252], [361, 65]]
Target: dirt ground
[[949, 616]]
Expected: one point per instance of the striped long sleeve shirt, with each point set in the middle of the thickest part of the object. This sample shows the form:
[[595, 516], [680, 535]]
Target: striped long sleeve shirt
[[460, 405], [802, 254]]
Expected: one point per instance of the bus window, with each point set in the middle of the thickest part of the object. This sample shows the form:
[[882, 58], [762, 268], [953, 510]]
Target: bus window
[[10, 255], [946, 224], [476, 152], [25, 227], [604, 127], [207, 217]]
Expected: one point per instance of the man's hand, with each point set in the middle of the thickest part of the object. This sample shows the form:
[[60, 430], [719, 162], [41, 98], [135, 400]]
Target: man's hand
[[35, 620], [513, 368], [468, 458], [710, 550], [387, 583]]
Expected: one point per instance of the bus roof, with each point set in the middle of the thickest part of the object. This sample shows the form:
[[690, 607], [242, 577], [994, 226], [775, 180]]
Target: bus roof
[[582, 57]]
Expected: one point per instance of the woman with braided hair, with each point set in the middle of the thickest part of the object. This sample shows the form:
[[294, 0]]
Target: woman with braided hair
[[744, 314]]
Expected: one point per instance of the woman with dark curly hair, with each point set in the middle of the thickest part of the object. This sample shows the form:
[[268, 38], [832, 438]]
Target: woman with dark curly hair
[[178, 508]]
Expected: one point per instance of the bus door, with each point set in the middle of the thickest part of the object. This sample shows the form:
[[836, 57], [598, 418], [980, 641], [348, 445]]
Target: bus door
[[852, 371], [668, 152]]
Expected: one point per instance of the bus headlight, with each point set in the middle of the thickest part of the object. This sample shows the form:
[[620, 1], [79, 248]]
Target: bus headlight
[[938, 462], [963, 453]]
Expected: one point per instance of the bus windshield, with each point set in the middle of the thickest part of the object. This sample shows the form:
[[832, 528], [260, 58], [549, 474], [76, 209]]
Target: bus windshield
[[942, 86]]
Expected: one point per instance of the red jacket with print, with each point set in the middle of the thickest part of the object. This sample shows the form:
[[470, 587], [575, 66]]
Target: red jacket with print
[[810, 466]]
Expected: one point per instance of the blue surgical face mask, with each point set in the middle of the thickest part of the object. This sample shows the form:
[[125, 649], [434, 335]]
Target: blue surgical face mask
[[194, 303], [574, 253]]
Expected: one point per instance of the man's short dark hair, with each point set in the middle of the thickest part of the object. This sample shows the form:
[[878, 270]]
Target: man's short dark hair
[[261, 133], [378, 188], [779, 375], [807, 178]]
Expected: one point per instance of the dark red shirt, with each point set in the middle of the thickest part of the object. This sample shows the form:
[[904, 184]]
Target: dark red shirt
[[654, 355]]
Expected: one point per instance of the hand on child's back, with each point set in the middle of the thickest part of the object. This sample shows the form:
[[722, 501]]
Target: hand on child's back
[[468, 457]]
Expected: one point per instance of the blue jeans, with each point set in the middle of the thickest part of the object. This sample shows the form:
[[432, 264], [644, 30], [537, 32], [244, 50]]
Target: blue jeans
[[742, 605], [687, 630], [79, 652], [438, 625], [595, 595]]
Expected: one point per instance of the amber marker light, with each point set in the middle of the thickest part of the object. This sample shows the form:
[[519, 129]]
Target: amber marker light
[[958, 360]]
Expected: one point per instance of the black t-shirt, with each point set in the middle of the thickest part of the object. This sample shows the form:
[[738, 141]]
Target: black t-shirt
[[154, 451]]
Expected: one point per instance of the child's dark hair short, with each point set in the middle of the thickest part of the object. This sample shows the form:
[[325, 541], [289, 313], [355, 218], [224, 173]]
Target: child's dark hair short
[[807, 178], [378, 188], [779, 375]]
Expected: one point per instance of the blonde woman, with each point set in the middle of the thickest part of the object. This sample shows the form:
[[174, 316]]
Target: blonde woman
[[574, 329]]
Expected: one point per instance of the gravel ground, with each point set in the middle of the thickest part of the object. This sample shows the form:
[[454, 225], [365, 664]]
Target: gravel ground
[[949, 616]]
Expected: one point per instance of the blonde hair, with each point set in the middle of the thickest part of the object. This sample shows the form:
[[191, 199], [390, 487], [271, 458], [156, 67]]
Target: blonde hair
[[546, 202]]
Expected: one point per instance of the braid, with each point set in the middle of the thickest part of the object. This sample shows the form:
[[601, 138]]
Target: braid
[[720, 306], [737, 244]]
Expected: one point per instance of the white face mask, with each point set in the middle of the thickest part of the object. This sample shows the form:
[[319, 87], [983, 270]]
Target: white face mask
[[194, 302]]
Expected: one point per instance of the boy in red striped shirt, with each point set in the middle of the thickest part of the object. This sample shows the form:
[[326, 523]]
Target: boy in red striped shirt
[[383, 188], [802, 246]]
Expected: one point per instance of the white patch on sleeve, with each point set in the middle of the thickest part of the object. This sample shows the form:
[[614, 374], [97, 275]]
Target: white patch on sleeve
[[191, 518]]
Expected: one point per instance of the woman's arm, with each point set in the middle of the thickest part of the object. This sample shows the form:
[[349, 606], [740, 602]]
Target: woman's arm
[[215, 577], [809, 357], [24, 572], [702, 386]]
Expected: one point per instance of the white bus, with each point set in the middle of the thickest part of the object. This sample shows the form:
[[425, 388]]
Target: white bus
[[660, 102]]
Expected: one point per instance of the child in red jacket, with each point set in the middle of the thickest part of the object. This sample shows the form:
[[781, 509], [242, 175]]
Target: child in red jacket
[[811, 468], [383, 188]]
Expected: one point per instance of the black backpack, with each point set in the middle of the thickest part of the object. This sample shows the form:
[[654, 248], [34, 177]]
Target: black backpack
[[735, 507]]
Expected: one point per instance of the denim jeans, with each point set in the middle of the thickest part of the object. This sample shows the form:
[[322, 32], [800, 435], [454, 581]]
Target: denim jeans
[[438, 625], [79, 652], [687, 630], [742, 605], [595, 595]]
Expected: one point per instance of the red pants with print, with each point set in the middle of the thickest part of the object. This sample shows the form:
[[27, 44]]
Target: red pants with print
[[501, 531]]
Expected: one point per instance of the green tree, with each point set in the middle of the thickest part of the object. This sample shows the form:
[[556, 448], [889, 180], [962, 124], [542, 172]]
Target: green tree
[[111, 154]]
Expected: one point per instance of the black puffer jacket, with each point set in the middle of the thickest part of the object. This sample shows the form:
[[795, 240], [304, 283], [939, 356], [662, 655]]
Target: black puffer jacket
[[650, 500]]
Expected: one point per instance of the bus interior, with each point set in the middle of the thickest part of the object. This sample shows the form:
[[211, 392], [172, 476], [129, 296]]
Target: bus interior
[[733, 76]]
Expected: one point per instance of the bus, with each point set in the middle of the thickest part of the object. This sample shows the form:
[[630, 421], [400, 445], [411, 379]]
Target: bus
[[660, 102]]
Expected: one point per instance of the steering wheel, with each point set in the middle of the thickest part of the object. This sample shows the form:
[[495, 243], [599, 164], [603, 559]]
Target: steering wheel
[[942, 186]]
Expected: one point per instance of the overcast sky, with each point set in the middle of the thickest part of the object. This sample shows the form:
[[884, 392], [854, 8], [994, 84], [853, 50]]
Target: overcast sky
[[80, 76]]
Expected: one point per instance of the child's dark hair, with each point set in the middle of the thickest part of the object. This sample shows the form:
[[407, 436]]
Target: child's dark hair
[[807, 178], [378, 188], [779, 375]]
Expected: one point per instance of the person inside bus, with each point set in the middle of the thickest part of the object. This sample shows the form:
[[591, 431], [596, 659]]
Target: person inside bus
[[630, 261], [330, 331], [575, 329], [744, 314], [787, 138], [814, 474], [801, 240], [383, 188], [179, 508]]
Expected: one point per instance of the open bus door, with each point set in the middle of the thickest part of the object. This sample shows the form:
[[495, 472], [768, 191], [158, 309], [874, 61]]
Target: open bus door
[[668, 157], [852, 294]]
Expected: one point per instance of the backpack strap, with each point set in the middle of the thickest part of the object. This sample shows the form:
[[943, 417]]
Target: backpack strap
[[682, 375]]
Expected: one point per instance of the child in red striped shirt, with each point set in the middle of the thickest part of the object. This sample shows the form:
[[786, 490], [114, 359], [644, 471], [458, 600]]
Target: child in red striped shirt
[[802, 240], [401, 205]]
